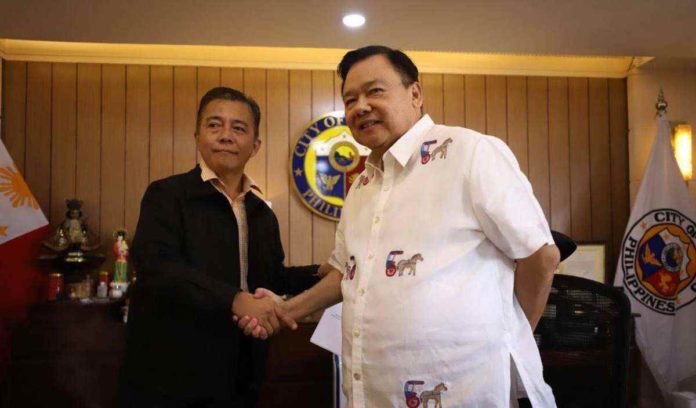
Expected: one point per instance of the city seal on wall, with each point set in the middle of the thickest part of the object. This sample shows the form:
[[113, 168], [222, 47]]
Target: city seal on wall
[[325, 162], [658, 258]]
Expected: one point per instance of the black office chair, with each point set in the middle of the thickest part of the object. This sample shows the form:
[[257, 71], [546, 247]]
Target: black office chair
[[584, 338]]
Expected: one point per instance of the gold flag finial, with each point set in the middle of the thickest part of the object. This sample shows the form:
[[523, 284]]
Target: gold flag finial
[[661, 104]]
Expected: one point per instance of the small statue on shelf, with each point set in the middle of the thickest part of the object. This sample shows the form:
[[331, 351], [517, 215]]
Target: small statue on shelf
[[120, 248], [71, 249], [72, 233]]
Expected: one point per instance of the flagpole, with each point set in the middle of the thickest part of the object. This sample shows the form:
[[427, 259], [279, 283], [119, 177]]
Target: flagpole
[[661, 104]]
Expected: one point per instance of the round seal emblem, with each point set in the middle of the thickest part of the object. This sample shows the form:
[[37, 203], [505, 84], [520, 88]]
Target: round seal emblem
[[325, 162], [658, 259]]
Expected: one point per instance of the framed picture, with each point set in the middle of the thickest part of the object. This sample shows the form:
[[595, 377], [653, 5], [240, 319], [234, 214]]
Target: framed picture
[[588, 261]]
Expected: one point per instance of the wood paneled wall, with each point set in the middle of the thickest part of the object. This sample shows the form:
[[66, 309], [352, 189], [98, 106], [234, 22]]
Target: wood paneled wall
[[103, 132]]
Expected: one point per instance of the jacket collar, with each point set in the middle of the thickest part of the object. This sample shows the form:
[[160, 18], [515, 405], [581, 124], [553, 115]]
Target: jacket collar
[[207, 174], [196, 188]]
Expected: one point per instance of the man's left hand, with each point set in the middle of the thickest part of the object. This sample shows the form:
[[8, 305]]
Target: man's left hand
[[533, 278]]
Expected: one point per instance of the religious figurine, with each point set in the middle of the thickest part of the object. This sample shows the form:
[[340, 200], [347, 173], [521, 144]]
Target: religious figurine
[[120, 249], [72, 233], [72, 249], [73, 222], [120, 282]]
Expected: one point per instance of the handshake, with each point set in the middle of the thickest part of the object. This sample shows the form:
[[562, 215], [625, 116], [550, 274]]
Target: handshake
[[264, 313], [261, 314]]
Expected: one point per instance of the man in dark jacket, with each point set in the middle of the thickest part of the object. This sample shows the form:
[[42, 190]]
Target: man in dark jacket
[[204, 239]]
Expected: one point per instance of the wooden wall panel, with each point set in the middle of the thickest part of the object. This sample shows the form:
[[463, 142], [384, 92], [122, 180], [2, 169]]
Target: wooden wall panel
[[323, 230], [185, 109], [207, 79], [433, 103], [496, 107], [138, 158], [232, 78], [538, 141], [14, 96], [278, 189], [580, 193], [37, 167], [475, 102], [113, 150], [453, 99], [255, 86], [103, 132], [161, 122], [517, 120], [300, 247], [88, 156], [600, 166], [618, 129], [338, 96], [559, 155], [63, 133]]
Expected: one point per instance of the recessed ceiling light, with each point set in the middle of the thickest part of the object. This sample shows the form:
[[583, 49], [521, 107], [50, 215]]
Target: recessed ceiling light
[[353, 20]]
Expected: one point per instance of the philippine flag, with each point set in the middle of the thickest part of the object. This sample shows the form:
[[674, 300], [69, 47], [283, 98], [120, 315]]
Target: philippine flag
[[22, 226]]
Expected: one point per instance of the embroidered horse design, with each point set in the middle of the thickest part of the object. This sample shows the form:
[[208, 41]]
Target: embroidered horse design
[[434, 395], [350, 269], [362, 181], [409, 264], [441, 150]]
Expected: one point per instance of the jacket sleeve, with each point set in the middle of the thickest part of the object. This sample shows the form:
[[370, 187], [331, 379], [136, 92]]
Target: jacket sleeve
[[159, 259], [290, 280]]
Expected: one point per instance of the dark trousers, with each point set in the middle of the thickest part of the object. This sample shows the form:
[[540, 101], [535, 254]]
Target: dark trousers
[[246, 394], [524, 403], [133, 396]]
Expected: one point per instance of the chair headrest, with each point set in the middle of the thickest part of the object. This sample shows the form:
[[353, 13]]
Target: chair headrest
[[565, 244]]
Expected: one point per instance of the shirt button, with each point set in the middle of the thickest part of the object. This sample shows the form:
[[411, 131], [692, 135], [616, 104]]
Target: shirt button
[[386, 188], [376, 220], [361, 291], [370, 255], [356, 376], [356, 333]]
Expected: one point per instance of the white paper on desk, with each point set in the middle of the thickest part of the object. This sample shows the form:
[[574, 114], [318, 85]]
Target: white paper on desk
[[327, 335]]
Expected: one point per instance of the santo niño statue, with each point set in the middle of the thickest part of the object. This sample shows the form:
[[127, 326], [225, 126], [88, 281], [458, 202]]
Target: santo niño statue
[[72, 233]]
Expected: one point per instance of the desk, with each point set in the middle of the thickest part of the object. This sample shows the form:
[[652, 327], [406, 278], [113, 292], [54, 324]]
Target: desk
[[68, 354]]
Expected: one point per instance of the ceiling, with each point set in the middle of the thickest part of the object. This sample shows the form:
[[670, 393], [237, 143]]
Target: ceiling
[[564, 27]]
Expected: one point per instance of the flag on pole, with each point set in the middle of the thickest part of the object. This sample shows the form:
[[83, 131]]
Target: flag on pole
[[657, 266], [22, 225]]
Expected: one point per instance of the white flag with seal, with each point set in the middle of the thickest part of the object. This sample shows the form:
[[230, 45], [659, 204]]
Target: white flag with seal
[[657, 266]]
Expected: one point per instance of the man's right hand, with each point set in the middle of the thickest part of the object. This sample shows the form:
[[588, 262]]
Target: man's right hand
[[251, 325], [320, 296], [267, 314]]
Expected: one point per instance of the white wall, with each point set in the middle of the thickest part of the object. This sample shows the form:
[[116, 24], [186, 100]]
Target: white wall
[[679, 86]]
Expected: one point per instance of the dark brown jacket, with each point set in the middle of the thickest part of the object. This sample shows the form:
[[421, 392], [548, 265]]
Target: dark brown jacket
[[181, 340]]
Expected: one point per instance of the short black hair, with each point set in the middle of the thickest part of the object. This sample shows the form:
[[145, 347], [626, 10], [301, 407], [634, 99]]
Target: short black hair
[[229, 94], [400, 61]]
